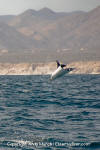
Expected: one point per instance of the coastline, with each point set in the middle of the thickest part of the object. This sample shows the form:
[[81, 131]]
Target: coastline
[[89, 67]]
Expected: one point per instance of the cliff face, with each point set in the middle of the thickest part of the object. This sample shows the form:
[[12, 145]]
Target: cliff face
[[26, 69], [92, 67]]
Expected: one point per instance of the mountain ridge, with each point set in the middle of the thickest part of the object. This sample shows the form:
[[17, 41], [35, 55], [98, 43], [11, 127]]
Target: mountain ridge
[[55, 33]]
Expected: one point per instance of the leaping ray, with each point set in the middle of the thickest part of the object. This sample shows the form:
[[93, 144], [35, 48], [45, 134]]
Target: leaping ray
[[60, 71]]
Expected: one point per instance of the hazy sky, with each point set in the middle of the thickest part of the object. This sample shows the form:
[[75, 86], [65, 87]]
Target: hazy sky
[[18, 6]]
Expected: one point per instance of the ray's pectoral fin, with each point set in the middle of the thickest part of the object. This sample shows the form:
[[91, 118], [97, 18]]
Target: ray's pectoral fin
[[62, 65], [58, 64]]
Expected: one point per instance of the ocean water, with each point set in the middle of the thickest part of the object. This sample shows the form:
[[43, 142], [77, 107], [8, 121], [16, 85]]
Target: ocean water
[[36, 113]]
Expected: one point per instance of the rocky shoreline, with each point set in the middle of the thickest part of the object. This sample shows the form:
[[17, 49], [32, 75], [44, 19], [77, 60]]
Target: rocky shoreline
[[89, 67]]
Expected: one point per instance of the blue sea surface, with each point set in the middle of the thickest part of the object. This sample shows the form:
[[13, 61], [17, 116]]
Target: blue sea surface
[[36, 113]]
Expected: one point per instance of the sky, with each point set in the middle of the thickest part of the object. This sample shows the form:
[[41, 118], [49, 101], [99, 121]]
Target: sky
[[18, 6]]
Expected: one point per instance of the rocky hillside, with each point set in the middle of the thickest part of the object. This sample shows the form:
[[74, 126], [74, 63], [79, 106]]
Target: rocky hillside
[[48, 68], [11, 39], [60, 30], [45, 35]]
